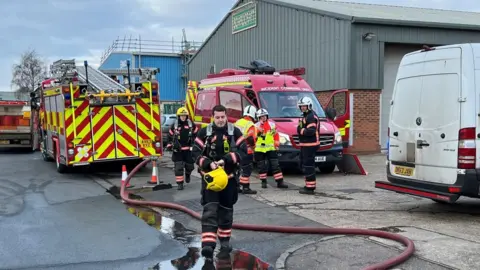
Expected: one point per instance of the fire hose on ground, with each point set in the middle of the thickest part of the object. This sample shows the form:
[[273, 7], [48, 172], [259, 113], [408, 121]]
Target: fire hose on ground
[[402, 257]]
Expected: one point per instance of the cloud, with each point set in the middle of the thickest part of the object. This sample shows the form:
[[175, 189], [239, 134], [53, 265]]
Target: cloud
[[85, 29]]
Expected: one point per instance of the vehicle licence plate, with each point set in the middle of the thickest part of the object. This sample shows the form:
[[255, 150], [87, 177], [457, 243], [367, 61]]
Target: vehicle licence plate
[[145, 143], [405, 171], [4, 142], [320, 159]]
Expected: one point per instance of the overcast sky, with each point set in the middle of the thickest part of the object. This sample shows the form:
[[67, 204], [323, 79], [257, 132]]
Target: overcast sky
[[83, 29]]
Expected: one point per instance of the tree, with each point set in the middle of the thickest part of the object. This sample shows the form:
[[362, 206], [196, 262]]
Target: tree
[[28, 74]]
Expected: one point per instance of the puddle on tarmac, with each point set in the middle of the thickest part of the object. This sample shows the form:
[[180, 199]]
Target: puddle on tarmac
[[193, 260]]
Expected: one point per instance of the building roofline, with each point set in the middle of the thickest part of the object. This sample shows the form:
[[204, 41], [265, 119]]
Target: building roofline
[[299, 7], [312, 10], [156, 54], [415, 23], [214, 31]]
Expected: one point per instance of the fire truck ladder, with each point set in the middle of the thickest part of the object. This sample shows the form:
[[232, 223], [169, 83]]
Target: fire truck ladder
[[98, 80]]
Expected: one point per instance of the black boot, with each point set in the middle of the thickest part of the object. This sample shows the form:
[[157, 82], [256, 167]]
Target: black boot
[[207, 252], [281, 184], [306, 191], [208, 265], [264, 183], [187, 178], [180, 186], [225, 250], [248, 190]]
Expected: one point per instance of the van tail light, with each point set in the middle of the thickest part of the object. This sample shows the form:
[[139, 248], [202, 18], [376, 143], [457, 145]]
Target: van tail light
[[467, 151], [157, 144], [70, 151]]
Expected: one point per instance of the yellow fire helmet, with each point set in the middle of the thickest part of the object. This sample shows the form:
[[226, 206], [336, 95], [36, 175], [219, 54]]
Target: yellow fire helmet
[[216, 180], [182, 111]]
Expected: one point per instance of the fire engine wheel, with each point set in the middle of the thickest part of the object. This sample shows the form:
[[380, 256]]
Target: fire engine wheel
[[327, 168], [61, 168]]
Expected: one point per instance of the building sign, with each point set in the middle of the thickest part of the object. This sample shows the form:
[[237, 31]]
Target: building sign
[[123, 63], [244, 17]]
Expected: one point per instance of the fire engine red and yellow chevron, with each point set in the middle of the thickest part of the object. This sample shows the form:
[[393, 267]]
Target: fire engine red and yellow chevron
[[125, 131], [77, 125], [191, 97], [148, 126], [103, 135]]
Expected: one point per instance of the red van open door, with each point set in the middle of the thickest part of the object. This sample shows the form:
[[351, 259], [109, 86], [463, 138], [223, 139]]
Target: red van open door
[[340, 101]]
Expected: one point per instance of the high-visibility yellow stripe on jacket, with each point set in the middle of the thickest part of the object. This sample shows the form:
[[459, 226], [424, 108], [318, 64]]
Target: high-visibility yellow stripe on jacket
[[267, 142]]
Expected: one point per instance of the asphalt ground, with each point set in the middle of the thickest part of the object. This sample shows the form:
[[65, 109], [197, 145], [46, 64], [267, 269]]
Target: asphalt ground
[[53, 221], [341, 201]]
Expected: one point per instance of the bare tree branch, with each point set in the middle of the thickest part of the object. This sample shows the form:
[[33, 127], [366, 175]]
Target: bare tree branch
[[27, 74]]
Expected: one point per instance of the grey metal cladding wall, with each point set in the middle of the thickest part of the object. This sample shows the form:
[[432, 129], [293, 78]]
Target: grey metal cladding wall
[[286, 38], [367, 56]]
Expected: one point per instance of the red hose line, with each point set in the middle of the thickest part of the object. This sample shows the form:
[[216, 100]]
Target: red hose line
[[402, 257]]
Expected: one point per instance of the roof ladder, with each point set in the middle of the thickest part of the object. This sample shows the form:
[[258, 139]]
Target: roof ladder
[[98, 80]]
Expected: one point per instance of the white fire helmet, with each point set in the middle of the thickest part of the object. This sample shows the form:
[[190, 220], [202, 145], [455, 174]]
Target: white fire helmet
[[305, 101], [262, 112], [249, 111]]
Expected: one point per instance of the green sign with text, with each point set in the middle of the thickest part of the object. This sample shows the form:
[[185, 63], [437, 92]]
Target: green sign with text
[[244, 17]]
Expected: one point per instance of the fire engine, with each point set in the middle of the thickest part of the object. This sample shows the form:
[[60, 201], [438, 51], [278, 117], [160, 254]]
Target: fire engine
[[277, 91], [86, 117]]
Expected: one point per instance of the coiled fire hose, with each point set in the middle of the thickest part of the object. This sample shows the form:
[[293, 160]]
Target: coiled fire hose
[[402, 257]]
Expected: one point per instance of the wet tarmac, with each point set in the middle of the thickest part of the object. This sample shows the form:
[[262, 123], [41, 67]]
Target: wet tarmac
[[193, 260]]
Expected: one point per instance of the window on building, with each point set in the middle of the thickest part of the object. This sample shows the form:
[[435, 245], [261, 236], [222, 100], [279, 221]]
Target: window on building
[[233, 102]]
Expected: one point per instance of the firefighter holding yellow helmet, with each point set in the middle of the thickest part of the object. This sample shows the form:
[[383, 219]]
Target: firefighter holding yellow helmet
[[218, 151], [180, 140]]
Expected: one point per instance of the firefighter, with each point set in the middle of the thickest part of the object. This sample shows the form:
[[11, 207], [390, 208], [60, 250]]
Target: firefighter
[[180, 140], [309, 141], [266, 147], [218, 149], [247, 126]]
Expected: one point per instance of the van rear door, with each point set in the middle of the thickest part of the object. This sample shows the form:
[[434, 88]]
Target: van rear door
[[425, 116]]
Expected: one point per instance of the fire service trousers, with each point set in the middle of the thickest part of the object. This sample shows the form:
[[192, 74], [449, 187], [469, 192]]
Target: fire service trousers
[[272, 158], [246, 170], [217, 217], [307, 161], [183, 163]]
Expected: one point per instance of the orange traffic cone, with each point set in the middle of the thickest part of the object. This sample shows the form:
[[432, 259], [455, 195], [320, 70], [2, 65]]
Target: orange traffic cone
[[124, 177], [154, 180]]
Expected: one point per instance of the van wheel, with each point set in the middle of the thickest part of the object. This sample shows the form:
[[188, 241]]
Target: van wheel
[[327, 168]]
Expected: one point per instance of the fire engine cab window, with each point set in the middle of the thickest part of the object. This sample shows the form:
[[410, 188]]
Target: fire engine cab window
[[339, 102], [205, 103], [233, 102], [284, 104]]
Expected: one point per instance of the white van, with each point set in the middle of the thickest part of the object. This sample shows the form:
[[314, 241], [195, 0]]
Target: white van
[[434, 124]]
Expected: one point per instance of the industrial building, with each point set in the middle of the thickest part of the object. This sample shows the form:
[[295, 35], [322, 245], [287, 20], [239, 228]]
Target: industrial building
[[169, 57], [342, 46]]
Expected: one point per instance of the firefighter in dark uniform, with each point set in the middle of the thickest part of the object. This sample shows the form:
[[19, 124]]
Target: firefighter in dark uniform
[[218, 150], [180, 140], [309, 142]]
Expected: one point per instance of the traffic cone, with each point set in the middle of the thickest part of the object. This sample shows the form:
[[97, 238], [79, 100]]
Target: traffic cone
[[154, 180], [124, 177]]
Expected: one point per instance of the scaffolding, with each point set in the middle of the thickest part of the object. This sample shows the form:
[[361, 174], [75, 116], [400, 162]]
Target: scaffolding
[[136, 45]]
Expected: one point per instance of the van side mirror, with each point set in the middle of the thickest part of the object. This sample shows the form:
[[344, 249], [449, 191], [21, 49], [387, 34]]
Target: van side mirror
[[331, 113]]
